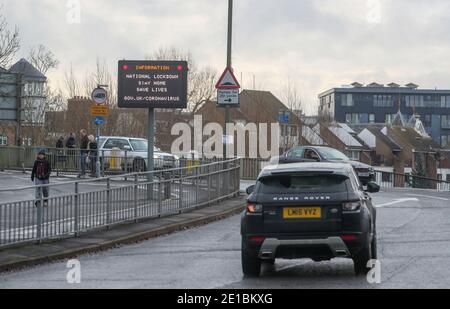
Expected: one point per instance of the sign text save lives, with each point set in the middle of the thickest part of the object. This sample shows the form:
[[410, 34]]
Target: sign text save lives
[[152, 84]]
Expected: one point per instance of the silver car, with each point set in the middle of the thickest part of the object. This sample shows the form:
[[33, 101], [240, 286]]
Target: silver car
[[130, 154]]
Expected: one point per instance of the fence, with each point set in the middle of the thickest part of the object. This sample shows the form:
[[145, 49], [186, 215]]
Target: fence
[[68, 161], [80, 206], [395, 180], [250, 169]]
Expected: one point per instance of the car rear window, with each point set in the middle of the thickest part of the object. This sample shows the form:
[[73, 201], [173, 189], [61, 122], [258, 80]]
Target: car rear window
[[291, 184]]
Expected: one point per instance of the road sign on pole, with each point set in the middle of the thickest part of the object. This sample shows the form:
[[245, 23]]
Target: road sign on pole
[[152, 84], [99, 120], [99, 96], [99, 110], [228, 97], [228, 80]]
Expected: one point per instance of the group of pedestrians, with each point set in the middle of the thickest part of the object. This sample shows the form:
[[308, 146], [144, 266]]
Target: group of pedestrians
[[42, 167], [88, 153]]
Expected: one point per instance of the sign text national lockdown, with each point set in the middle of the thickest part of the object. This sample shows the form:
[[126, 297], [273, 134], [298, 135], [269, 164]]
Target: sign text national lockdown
[[152, 84]]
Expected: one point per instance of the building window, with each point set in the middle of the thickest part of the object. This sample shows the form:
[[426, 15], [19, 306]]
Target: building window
[[347, 100], [414, 101], [445, 121], [3, 140], [445, 141], [381, 100], [427, 121], [371, 118], [445, 101], [353, 155], [389, 118], [448, 177], [353, 118]]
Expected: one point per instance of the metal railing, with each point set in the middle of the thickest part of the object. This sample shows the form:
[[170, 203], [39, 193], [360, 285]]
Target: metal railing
[[85, 205], [395, 180], [250, 168], [68, 161]]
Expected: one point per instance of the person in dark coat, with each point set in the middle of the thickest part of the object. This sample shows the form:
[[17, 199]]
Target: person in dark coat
[[60, 143], [71, 141], [93, 154], [60, 157], [41, 176], [71, 144], [84, 152]]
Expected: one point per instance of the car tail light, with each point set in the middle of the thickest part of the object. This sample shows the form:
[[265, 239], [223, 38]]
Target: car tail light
[[353, 206], [257, 239], [349, 237], [254, 208]]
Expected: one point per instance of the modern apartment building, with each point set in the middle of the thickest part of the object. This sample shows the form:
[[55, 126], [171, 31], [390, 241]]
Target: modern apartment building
[[377, 104]]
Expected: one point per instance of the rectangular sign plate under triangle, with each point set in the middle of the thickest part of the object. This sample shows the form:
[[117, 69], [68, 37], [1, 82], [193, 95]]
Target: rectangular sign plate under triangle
[[228, 80], [228, 97]]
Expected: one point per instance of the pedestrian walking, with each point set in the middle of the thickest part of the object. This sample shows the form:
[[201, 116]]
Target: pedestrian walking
[[84, 152], [71, 144], [60, 143], [71, 141], [60, 156], [41, 176], [93, 147]]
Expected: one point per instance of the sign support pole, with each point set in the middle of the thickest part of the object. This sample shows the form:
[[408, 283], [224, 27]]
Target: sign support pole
[[97, 159], [150, 154], [229, 48]]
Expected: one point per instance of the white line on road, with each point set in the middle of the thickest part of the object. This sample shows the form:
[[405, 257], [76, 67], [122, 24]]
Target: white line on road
[[432, 197], [398, 201]]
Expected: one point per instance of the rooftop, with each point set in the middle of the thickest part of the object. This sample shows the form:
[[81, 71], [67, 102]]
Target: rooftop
[[27, 69], [392, 88]]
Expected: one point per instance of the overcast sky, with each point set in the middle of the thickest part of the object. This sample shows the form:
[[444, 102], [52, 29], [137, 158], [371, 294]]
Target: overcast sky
[[319, 44]]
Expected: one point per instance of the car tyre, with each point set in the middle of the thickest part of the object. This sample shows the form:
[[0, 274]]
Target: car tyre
[[251, 264], [374, 247], [361, 260]]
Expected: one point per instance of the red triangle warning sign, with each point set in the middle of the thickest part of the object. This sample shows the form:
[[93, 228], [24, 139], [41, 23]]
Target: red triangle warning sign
[[228, 80]]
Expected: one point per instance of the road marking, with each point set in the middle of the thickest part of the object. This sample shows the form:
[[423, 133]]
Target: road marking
[[398, 201], [432, 197]]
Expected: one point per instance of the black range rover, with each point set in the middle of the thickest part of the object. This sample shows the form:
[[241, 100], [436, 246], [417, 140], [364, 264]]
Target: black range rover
[[308, 210]]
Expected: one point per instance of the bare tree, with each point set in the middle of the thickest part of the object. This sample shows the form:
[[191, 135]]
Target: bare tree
[[201, 81], [71, 83], [292, 97], [101, 76], [42, 58], [9, 42], [293, 101]]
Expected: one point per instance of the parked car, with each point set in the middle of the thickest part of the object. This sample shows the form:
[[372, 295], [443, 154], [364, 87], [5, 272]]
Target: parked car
[[133, 153], [365, 172]]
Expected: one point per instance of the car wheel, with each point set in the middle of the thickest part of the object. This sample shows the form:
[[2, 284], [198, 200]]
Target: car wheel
[[361, 260], [374, 246], [251, 264], [139, 166]]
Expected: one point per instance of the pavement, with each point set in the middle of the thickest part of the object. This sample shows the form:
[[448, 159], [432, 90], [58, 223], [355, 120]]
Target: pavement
[[33, 254], [414, 241]]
